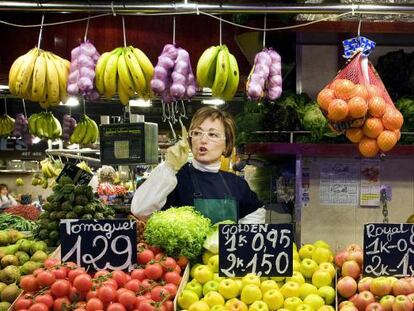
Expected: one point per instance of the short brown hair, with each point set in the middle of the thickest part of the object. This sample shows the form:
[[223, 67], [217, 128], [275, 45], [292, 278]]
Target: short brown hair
[[215, 113]]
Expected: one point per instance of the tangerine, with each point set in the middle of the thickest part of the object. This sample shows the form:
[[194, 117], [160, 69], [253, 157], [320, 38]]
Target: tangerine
[[357, 107], [360, 90], [354, 135], [374, 90], [368, 147], [377, 106], [372, 127], [387, 140], [343, 88], [392, 119], [325, 97], [337, 110]]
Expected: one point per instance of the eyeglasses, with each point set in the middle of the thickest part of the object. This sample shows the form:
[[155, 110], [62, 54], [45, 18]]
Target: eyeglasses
[[211, 135]]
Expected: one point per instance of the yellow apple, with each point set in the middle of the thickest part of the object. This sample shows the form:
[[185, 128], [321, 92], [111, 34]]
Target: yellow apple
[[314, 300], [251, 278], [274, 299], [296, 277], [306, 251], [235, 304], [239, 284], [278, 278], [217, 308], [304, 307], [187, 298], [217, 278], [328, 294], [258, 306], [228, 288], [307, 289], [267, 285], [308, 267], [296, 255], [206, 256], [327, 266], [195, 287], [321, 278], [203, 274], [322, 243], [193, 268], [210, 286], [296, 265], [199, 306], [290, 289], [214, 298], [213, 263], [250, 293], [321, 254], [292, 303], [325, 308]]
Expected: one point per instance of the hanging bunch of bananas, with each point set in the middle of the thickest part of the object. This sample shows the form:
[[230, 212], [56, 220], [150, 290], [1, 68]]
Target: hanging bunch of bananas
[[45, 125], [217, 69], [84, 166], [49, 168], [126, 71], [39, 76], [86, 132], [6, 125]]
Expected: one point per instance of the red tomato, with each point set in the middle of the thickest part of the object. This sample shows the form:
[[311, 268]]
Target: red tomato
[[100, 273], [47, 299], [138, 274], [138, 300], [60, 273], [133, 285], [144, 256], [81, 304], [127, 298], [168, 264], [91, 294], [159, 256], [38, 306], [115, 307], [37, 271], [153, 271], [106, 294], [155, 249], [148, 295], [147, 284], [60, 303], [172, 277], [50, 262], [74, 273], [28, 283], [71, 265], [171, 288], [177, 269], [120, 291], [75, 295], [94, 304], [60, 288], [147, 305], [23, 303], [79, 309], [120, 277], [169, 305], [158, 293], [182, 261], [83, 283], [111, 282], [45, 278]]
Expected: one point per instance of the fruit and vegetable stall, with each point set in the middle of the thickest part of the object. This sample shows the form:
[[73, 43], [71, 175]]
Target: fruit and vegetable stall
[[94, 97]]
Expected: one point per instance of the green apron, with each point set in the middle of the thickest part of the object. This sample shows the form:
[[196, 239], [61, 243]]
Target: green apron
[[215, 209]]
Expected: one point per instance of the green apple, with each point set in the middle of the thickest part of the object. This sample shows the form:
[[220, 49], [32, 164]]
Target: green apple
[[206, 256], [251, 278], [187, 298], [314, 300], [296, 277], [258, 306], [321, 254], [228, 288], [325, 308], [235, 304], [321, 278], [217, 308], [274, 299], [214, 298], [210, 286], [278, 278], [308, 267], [213, 263], [306, 251], [290, 289], [268, 285], [296, 265], [292, 303], [199, 306], [328, 294], [250, 293], [307, 289], [321, 243], [195, 287], [203, 274], [327, 266], [304, 307], [193, 268]]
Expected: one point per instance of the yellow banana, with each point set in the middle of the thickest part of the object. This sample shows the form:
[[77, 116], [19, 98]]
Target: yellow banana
[[124, 77], [39, 78], [79, 133], [14, 69], [100, 71], [222, 72], [232, 80], [110, 75], [145, 64], [25, 72], [137, 74], [206, 67], [123, 94], [52, 79], [57, 128], [63, 74]]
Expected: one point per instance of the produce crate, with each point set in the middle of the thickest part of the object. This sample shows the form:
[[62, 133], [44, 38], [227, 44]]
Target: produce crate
[[184, 280]]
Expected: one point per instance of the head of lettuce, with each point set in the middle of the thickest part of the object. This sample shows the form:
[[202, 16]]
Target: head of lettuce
[[180, 231]]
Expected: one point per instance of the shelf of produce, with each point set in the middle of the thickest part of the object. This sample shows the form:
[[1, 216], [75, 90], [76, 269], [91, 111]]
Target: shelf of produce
[[268, 150], [19, 171]]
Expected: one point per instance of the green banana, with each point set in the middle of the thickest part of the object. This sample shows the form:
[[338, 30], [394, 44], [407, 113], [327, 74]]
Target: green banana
[[232, 80], [206, 67], [57, 132]]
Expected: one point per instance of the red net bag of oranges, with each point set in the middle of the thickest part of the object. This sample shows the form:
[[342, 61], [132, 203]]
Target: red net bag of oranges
[[357, 103]]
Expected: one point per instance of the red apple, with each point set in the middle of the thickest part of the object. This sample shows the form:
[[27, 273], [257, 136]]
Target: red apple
[[374, 306], [387, 302], [364, 283], [357, 256], [349, 308], [411, 281], [364, 299], [346, 286], [340, 258], [351, 268], [411, 296], [345, 303], [401, 287], [353, 247], [380, 286], [402, 303]]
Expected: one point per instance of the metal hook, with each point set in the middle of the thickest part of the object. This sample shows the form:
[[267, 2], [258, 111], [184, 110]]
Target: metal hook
[[359, 26], [264, 31], [86, 29], [174, 28], [173, 132], [221, 34], [164, 115], [41, 31], [112, 8], [24, 108], [5, 105], [123, 31]]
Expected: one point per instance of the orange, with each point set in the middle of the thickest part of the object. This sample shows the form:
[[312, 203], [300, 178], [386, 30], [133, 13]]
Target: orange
[[325, 97], [387, 140], [374, 90], [368, 147], [377, 106], [337, 110], [360, 90], [357, 107], [398, 134], [343, 88], [354, 135], [392, 119], [372, 127]]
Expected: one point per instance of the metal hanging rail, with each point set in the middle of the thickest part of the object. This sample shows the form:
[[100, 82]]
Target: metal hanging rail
[[131, 7]]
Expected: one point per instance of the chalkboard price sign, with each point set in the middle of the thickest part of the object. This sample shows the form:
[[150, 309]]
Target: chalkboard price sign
[[265, 249], [99, 244], [78, 175], [388, 249]]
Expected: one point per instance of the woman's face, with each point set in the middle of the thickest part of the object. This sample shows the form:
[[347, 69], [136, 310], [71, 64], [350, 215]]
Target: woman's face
[[208, 141], [4, 191]]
